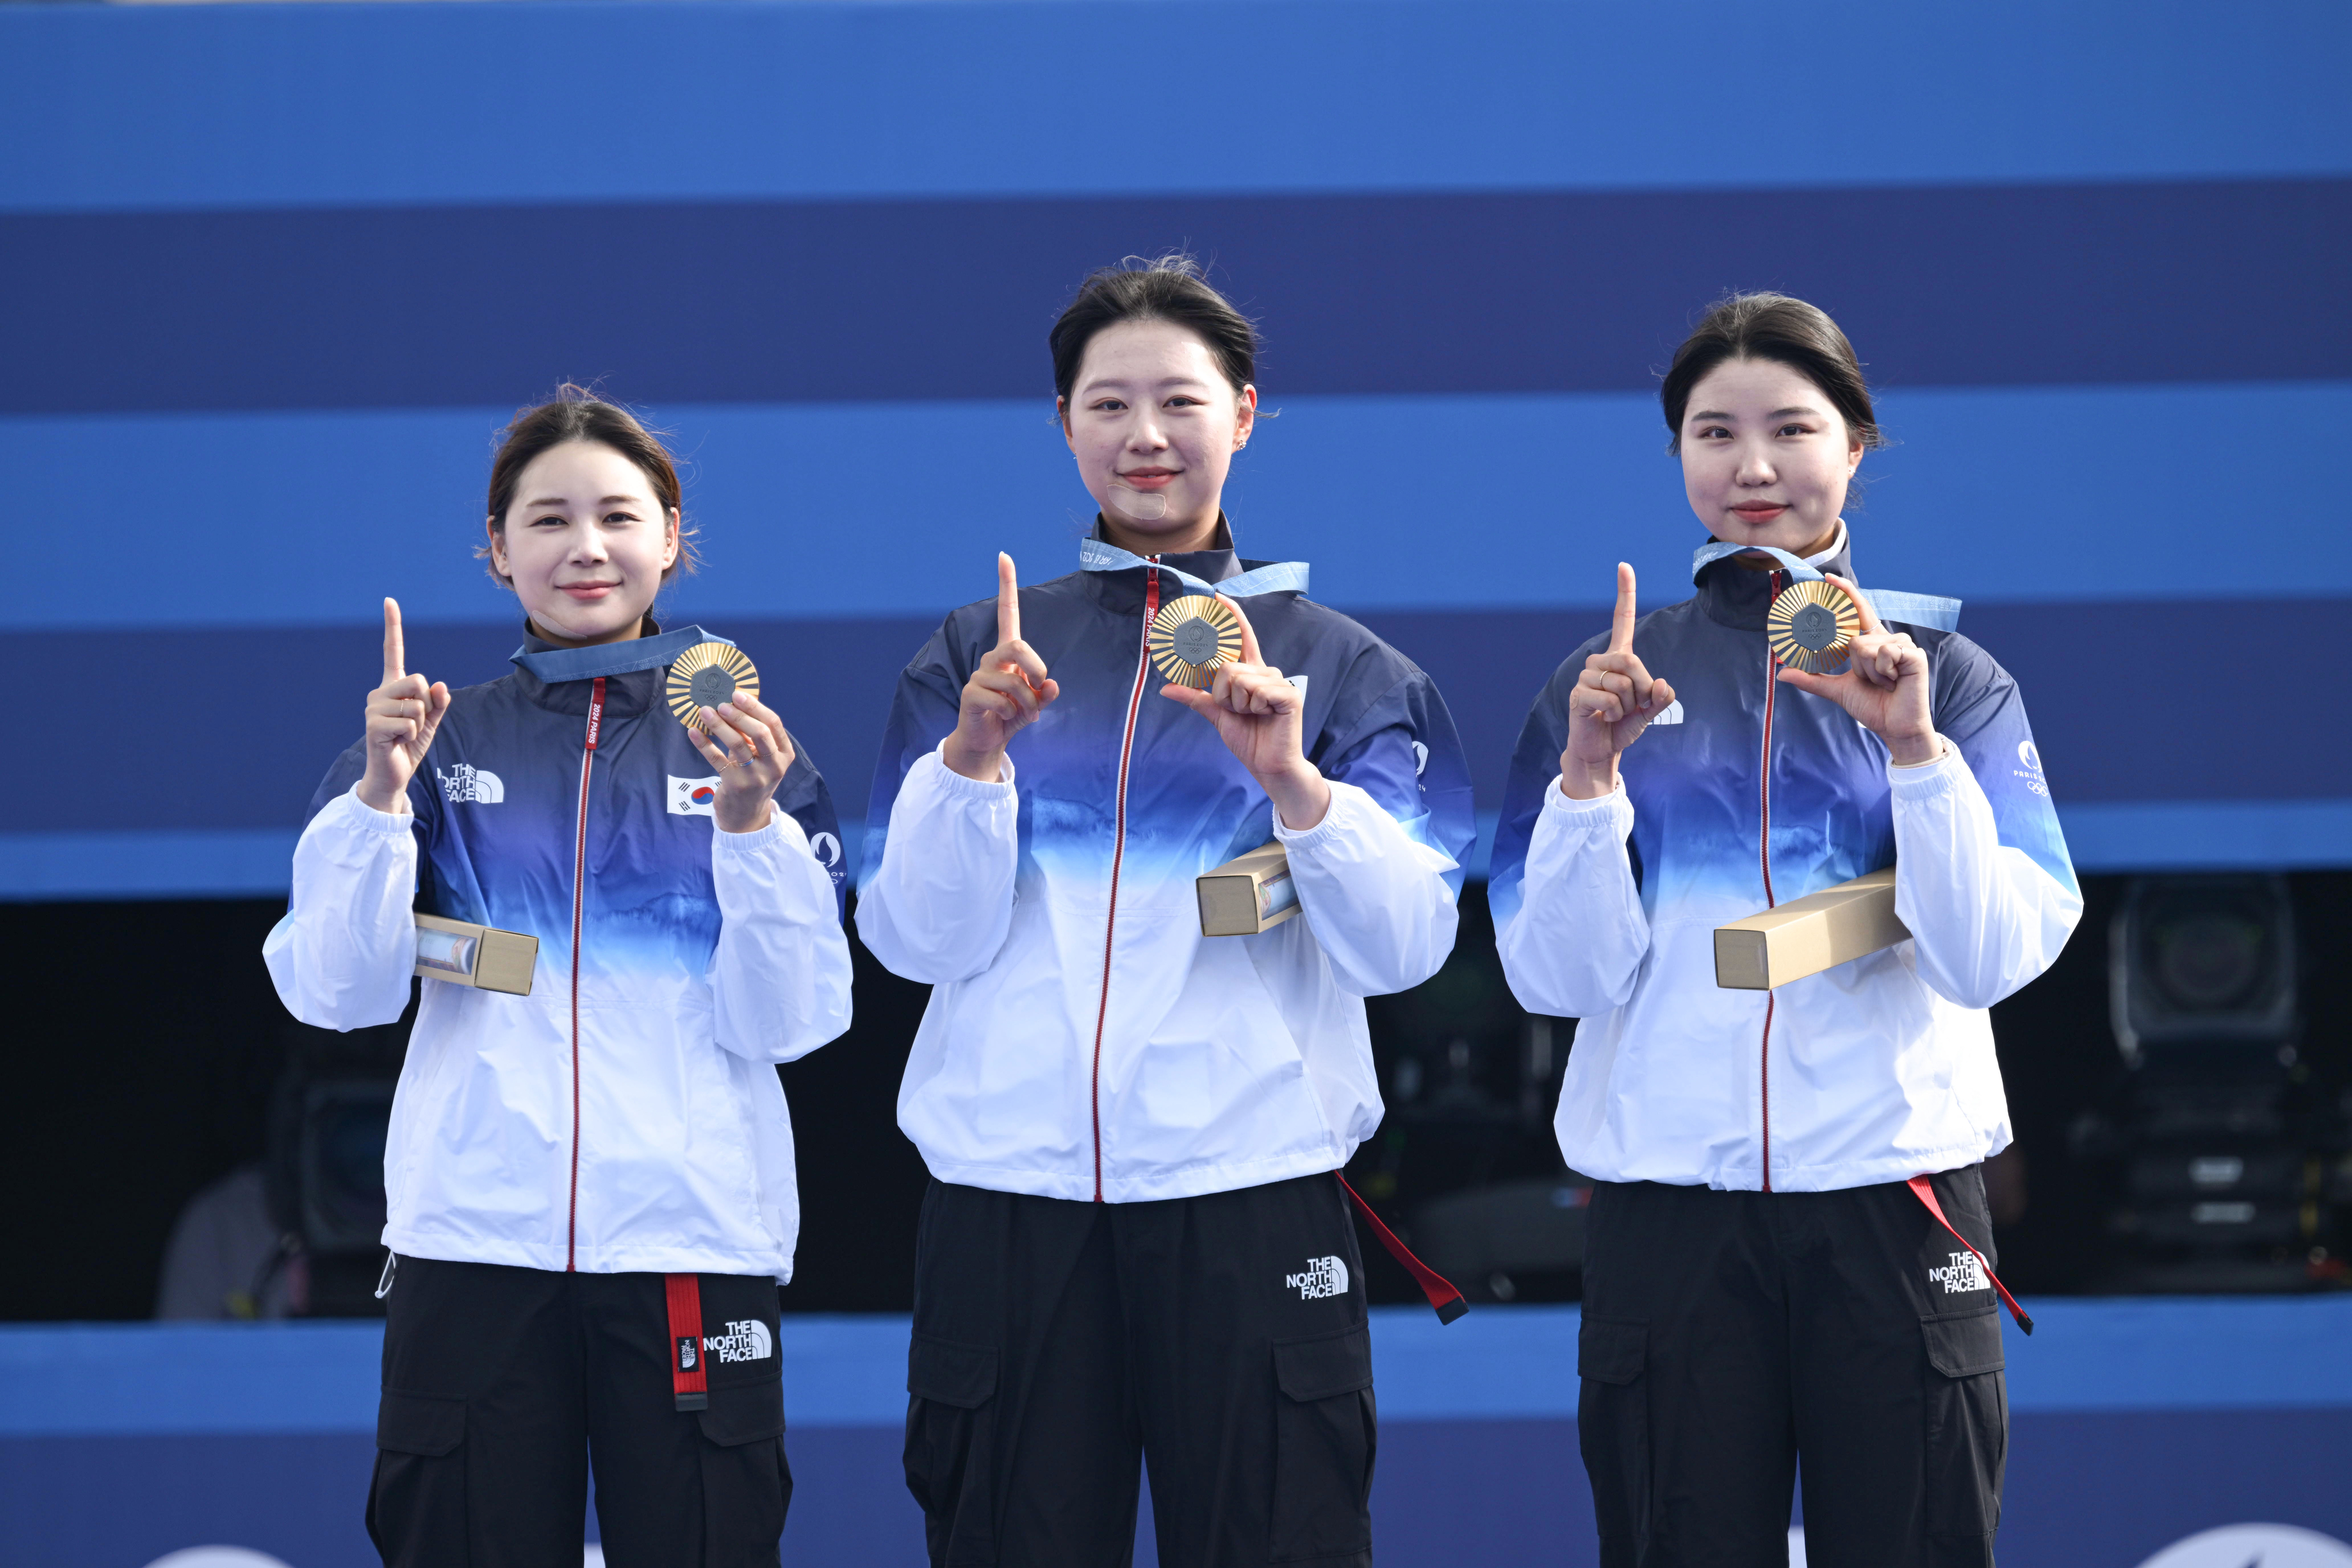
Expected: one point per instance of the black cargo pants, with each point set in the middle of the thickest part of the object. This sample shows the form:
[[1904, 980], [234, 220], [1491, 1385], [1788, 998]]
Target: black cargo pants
[[1728, 1334], [503, 1384], [1222, 1340]]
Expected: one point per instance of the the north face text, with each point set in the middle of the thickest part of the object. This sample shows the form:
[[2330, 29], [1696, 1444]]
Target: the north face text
[[1963, 1274], [1324, 1277], [745, 1341]]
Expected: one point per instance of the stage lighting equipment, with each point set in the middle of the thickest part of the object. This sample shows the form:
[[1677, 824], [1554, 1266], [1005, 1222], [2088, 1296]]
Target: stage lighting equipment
[[2219, 1143], [2202, 965]]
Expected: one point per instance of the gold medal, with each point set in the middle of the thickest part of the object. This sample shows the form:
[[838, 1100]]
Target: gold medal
[[1811, 625], [707, 674], [1192, 638]]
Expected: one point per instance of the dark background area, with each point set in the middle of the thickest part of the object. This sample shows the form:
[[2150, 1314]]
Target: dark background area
[[147, 1043]]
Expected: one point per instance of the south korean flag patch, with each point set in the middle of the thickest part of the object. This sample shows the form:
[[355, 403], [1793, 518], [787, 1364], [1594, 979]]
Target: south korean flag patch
[[693, 797]]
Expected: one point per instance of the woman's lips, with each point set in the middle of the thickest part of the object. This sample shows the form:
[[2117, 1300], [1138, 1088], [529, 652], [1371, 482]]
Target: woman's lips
[[1757, 514], [588, 592], [1147, 480]]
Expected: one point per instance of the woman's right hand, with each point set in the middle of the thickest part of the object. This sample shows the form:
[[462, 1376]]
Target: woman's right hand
[[1615, 700], [402, 715], [1005, 694]]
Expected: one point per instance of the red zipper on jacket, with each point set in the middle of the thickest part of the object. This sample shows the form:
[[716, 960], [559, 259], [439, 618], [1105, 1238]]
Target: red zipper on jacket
[[579, 890], [1118, 851], [1764, 857]]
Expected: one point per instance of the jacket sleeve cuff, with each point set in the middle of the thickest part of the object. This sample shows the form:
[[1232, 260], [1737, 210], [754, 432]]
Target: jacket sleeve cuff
[[1343, 799], [366, 818], [1923, 780], [956, 786], [780, 828], [1557, 801]]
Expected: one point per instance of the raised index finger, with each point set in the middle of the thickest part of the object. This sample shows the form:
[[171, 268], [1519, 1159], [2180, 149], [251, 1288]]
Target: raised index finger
[[1871, 625], [1250, 651], [395, 660], [1008, 601], [1621, 626]]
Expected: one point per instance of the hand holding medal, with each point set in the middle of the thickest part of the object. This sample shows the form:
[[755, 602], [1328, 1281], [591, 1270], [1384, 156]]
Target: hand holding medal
[[1885, 685], [1258, 714], [714, 692], [1006, 692]]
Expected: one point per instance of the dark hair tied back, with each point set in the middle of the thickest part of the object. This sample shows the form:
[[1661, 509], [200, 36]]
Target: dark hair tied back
[[1154, 288], [1771, 327], [579, 415]]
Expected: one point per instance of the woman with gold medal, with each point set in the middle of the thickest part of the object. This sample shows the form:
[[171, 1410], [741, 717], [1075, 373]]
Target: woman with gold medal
[[1133, 1249], [1788, 1248], [591, 1185]]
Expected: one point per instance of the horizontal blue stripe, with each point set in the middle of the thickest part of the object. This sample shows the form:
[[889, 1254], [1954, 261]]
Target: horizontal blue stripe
[[842, 510], [1498, 1363], [255, 863], [2208, 835], [213, 106], [1541, 292], [134, 862]]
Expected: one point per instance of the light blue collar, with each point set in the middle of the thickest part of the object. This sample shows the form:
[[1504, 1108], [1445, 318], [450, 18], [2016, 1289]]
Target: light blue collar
[[1282, 577], [1931, 611], [554, 665]]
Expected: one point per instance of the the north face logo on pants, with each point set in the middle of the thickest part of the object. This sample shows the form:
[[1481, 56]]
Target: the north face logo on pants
[[1324, 1277]]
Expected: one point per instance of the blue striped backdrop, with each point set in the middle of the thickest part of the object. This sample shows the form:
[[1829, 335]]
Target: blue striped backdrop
[[274, 275]]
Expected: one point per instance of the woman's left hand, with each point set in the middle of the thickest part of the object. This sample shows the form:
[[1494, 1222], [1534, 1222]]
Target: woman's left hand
[[1884, 685], [750, 750], [1258, 715]]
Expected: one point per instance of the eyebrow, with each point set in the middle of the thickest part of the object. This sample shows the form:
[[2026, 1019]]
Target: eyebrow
[[1776, 413], [1168, 384], [607, 501]]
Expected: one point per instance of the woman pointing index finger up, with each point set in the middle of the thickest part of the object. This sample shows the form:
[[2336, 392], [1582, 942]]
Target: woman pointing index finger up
[[590, 1173], [1133, 1229], [1754, 1213]]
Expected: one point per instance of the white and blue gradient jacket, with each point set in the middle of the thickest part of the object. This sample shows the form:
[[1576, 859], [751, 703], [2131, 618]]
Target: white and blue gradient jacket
[[1754, 794], [1082, 1040], [626, 1115]]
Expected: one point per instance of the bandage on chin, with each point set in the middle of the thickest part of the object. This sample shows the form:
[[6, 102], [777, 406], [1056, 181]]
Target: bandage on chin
[[1144, 506]]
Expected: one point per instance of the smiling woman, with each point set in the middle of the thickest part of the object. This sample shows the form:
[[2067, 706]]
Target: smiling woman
[[1134, 1241], [589, 1179], [1830, 1130]]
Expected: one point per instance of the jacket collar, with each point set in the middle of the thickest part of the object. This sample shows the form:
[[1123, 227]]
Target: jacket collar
[[1122, 592], [557, 677], [1733, 596]]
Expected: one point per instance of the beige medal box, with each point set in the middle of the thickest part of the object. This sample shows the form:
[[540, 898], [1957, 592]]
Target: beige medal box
[[1806, 936], [481, 957], [1246, 896]]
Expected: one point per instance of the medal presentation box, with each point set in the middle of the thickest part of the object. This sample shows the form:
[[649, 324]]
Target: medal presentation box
[[1806, 936], [481, 957], [1246, 896]]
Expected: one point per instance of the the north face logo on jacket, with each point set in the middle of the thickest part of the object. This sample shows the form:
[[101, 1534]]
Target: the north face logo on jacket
[[465, 782], [1961, 1275], [745, 1341], [1323, 1276]]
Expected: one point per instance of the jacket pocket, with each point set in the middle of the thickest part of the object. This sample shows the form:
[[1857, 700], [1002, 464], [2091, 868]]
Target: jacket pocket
[[420, 1423], [416, 1509], [1967, 1414], [1325, 1436], [951, 1436], [964, 1375], [1612, 1430]]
